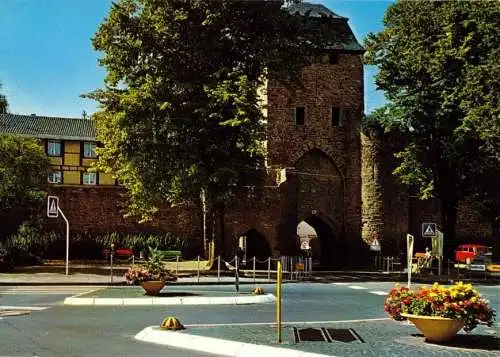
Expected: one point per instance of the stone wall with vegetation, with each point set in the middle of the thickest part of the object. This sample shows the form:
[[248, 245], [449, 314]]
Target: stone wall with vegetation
[[391, 209]]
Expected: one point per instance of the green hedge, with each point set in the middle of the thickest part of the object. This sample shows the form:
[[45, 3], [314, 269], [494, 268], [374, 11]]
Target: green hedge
[[31, 244]]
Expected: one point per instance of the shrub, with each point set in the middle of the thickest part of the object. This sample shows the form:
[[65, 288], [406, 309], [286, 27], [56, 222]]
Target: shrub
[[153, 269], [459, 301], [30, 244]]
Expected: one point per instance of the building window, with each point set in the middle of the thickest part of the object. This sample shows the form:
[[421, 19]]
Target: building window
[[53, 148], [333, 58], [89, 150], [89, 178], [55, 177], [339, 116], [300, 114]]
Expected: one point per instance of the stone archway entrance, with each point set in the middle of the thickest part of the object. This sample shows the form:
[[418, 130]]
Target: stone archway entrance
[[320, 197], [254, 244], [319, 186], [327, 249]]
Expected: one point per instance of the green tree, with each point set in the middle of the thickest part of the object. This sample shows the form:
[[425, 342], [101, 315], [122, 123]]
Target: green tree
[[438, 66], [3, 103], [23, 179], [180, 118]]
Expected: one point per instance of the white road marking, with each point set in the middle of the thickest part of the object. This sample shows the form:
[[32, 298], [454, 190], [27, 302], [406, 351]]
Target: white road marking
[[46, 290], [382, 293], [340, 283], [286, 323], [356, 287], [24, 308], [89, 292]]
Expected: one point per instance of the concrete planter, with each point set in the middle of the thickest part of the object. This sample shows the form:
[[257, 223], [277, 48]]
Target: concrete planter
[[436, 328], [153, 287]]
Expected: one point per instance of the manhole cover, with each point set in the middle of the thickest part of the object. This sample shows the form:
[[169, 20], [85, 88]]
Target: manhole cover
[[343, 335], [322, 334], [4, 313], [309, 335]]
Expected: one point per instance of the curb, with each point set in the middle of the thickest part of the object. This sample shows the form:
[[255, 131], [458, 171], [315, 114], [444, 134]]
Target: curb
[[216, 346], [122, 283], [191, 300]]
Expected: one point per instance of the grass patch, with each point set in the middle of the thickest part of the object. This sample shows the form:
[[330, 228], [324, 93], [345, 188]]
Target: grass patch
[[167, 291]]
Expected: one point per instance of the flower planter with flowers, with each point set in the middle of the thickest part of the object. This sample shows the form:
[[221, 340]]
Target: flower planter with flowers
[[152, 276], [440, 312]]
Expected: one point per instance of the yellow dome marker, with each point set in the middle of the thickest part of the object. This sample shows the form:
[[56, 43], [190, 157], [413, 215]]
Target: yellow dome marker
[[171, 323], [258, 291]]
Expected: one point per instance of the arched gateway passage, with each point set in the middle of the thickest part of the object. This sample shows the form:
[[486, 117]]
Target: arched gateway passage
[[254, 244], [320, 197], [325, 247]]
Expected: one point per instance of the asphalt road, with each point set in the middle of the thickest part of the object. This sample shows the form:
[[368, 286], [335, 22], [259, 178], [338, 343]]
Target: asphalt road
[[108, 331]]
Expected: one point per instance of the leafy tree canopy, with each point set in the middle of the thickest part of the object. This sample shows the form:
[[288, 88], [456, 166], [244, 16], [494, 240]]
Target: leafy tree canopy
[[23, 179], [180, 112], [438, 66]]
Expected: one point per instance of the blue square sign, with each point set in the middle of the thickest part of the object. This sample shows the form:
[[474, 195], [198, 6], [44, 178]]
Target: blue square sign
[[429, 229], [53, 206]]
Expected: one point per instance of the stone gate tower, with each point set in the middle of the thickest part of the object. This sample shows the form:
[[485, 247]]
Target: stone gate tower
[[313, 138]]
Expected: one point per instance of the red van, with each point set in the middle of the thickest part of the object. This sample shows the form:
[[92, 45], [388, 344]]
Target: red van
[[471, 252]]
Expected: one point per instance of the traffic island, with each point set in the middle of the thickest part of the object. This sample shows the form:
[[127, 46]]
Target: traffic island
[[134, 296], [372, 338]]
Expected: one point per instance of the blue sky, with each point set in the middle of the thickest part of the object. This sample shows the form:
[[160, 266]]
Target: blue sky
[[47, 59]]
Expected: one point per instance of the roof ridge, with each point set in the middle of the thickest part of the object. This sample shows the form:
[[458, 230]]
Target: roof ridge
[[42, 116]]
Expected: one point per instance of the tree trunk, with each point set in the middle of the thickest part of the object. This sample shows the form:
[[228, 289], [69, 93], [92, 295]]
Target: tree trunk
[[219, 218], [217, 215], [206, 241]]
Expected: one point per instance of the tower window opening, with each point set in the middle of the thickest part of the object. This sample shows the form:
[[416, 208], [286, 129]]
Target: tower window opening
[[300, 113], [333, 58]]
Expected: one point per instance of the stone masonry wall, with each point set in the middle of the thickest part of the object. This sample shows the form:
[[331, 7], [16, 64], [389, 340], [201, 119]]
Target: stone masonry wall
[[322, 87], [391, 211], [100, 210]]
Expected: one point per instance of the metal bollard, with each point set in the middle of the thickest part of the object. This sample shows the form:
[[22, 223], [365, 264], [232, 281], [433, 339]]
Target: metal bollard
[[254, 269], [218, 268], [269, 268], [111, 261], [177, 265], [198, 268], [236, 275]]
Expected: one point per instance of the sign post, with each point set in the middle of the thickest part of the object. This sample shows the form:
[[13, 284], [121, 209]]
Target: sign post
[[409, 251], [53, 211], [437, 249], [278, 299]]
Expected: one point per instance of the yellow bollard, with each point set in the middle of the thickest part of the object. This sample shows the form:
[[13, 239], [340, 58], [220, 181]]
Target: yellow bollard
[[278, 300]]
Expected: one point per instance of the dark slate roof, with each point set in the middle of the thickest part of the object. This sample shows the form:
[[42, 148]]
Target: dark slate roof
[[48, 127], [341, 36], [314, 10]]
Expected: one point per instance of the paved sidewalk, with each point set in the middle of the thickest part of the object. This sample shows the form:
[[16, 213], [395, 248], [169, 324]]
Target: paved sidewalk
[[95, 279], [375, 338], [55, 278]]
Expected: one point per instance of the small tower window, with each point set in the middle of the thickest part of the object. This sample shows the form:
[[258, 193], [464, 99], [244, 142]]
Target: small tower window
[[339, 116], [333, 58], [335, 116], [300, 113]]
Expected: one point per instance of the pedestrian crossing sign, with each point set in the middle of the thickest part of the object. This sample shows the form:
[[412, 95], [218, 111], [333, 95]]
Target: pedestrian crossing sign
[[429, 230], [53, 206]]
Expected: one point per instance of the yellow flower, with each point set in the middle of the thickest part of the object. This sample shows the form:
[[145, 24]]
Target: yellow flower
[[473, 299]]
